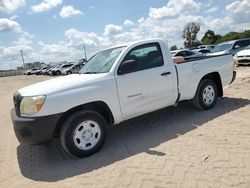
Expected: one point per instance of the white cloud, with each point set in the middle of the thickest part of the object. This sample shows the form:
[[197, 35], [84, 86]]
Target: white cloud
[[77, 39], [25, 39], [12, 52], [10, 6], [207, 4], [14, 17], [128, 23], [111, 30], [166, 22], [46, 5], [174, 9], [58, 48], [7, 25], [213, 9], [68, 11], [239, 11]]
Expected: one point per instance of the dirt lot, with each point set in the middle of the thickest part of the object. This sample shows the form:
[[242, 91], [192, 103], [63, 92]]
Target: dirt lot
[[173, 147]]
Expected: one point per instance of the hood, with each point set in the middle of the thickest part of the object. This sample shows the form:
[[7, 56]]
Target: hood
[[244, 52], [59, 84]]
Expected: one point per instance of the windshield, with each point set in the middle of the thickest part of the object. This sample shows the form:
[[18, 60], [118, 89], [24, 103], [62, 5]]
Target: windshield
[[222, 47], [173, 53], [248, 47], [102, 61]]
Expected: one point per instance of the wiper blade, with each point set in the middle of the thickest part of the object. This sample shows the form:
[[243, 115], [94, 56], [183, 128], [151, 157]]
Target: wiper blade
[[91, 72]]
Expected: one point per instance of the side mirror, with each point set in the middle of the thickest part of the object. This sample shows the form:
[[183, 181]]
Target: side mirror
[[127, 67]]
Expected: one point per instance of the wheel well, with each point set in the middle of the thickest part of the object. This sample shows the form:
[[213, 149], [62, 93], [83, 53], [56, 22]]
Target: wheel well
[[98, 106], [215, 76]]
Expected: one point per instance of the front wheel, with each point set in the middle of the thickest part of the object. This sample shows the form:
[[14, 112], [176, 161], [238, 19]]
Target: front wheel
[[83, 133], [206, 95], [58, 73]]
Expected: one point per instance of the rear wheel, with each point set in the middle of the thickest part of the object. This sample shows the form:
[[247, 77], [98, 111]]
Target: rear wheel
[[206, 95], [83, 133]]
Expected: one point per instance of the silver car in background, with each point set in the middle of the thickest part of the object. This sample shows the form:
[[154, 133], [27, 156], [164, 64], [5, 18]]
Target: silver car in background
[[232, 47], [74, 69]]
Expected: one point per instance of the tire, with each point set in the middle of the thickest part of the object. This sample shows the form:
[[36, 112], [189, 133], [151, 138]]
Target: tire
[[58, 73], [69, 72], [83, 133], [206, 95]]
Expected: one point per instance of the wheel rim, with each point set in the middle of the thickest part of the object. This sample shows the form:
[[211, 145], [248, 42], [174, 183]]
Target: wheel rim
[[208, 95], [86, 135]]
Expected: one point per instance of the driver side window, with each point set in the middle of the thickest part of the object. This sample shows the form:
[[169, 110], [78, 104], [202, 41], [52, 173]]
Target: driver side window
[[145, 56]]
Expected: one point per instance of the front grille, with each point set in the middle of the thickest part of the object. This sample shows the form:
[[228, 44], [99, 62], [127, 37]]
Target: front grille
[[17, 101], [242, 56]]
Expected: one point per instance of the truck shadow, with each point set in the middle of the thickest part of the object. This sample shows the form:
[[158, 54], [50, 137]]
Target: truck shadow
[[49, 163]]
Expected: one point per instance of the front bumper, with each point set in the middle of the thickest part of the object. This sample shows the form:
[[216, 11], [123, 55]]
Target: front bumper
[[35, 130], [242, 60]]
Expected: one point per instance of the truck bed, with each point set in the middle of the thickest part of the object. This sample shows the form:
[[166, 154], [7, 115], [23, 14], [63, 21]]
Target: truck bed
[[192, 70]]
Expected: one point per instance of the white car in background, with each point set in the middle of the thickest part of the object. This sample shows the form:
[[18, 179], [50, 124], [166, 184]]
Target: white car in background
[[203, 51], [32, 71], [209, 47], [243, 57]]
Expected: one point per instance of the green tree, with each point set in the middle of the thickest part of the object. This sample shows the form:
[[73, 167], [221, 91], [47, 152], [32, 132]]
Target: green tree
[[190, 32], [174, 47], [234, 36], [210, 38]]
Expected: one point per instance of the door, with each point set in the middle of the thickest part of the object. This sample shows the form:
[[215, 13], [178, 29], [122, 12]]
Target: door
[[149, 86]]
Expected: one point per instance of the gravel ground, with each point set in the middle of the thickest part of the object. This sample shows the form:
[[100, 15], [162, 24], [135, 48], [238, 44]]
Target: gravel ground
[[172, 147]]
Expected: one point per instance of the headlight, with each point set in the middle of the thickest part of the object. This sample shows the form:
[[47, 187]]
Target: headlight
[[31, 105]]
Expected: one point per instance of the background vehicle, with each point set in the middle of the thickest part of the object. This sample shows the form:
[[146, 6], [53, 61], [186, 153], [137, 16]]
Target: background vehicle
[[203, 51], [232, 47], [209, 47], [187, 54], [72, 69], [58, 70], [243, 57], [115, 85], [41, 70], [32, 71]]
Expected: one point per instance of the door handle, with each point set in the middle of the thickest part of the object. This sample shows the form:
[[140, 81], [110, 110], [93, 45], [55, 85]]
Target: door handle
[[165, 73]]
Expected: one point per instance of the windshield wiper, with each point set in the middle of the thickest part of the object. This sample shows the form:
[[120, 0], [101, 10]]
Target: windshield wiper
[[91, 72]]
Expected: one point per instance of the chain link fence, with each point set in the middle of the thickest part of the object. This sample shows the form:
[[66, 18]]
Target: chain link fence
[[4, 73]]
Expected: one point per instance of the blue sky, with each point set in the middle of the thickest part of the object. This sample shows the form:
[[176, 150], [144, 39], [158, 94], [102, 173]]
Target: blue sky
[[56, 30]]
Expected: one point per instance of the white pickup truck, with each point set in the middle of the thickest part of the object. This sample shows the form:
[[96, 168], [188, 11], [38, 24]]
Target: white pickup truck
[[115, 85]]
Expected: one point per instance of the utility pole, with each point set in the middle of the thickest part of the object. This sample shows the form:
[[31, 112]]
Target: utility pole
[[22, 59], [85, 52]]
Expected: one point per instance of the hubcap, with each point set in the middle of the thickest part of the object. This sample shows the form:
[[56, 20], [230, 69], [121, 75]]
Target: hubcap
[[86, 135], [208, 95]]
